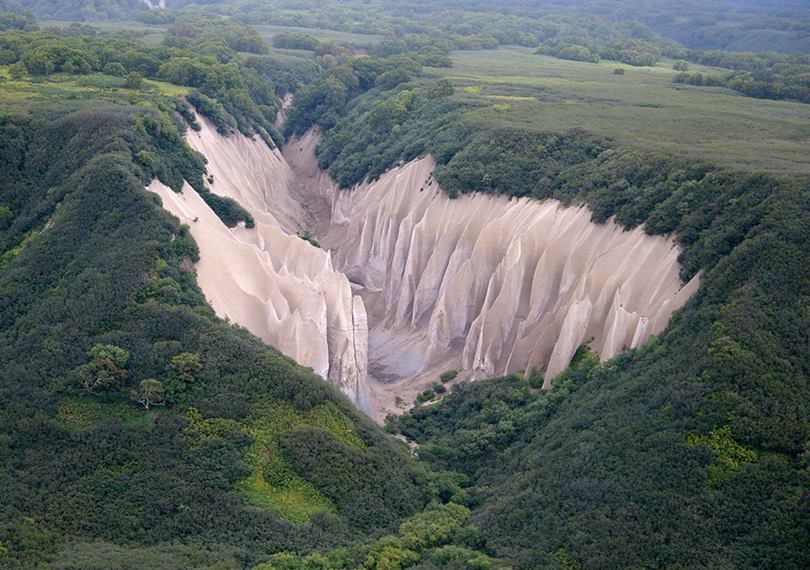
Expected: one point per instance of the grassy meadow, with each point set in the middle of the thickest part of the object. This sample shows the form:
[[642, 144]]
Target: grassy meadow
[[268, 32], [643, 106], [19, 94]]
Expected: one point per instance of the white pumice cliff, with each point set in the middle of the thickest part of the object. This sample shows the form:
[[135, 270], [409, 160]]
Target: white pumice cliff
[[411, 283], [267, 279]]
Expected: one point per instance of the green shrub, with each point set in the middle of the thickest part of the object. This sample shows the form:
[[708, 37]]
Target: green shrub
[[448, 376]]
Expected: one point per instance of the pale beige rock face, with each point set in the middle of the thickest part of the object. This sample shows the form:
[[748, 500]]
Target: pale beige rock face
[[266, 278], [415, 283], [483, 283]]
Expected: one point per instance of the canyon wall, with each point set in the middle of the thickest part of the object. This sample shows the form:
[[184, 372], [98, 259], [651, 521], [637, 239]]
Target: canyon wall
[[482, 283], [267, 279], [409, 283]]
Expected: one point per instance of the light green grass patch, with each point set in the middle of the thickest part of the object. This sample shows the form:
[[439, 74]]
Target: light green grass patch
[[6, 257], [167, 89], [59, 85], [79, 414], [642, 107], [729, 455], [273, 483], [269, 31], [511, 97]]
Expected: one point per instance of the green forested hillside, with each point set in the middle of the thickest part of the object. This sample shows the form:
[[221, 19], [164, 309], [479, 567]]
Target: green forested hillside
[[654, 458], [90, 259], [137, 430]]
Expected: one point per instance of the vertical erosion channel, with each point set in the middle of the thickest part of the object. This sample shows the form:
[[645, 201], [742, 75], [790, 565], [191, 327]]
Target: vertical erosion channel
[[383, 287]]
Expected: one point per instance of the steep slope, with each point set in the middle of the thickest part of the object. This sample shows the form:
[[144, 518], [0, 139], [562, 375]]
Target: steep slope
[[690, 452], [92, 266], [275, 284], [483, 283]]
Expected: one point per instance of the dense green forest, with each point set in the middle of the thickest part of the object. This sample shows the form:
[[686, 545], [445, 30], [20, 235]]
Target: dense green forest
[[131, 414], [738, 25], [137, 430], [588, 30], [679, 437]]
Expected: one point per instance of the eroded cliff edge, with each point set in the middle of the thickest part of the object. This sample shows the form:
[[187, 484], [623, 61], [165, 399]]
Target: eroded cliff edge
[[277, 285], [410, 283]]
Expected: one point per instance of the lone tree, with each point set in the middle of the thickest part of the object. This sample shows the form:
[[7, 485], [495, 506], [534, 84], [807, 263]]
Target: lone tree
[[105, 370], [680, 65], [115, 68], [150, 393]]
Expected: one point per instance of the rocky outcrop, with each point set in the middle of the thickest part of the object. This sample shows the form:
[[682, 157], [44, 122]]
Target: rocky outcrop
[[483, 283], [411, 283], [267, 279]]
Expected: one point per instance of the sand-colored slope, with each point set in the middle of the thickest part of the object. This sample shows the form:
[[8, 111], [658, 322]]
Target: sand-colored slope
[[484, 283], [251, 173], [266, 278]]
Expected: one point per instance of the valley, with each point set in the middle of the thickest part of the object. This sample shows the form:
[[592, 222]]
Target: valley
[[378, 285], [402, 283]]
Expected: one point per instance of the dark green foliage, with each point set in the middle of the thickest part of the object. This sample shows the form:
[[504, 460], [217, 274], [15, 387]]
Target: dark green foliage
[[425, 396], [105, 555], [516, 163], [370, 492], [325, 101], [293, 40], [383, 128], [205, 32], [107, 274], [150, 392], [699, 433], [432, 539], [787, 80], [12, 21], [133, 80], [680, 65], [168, 159], [213, 111], [228, 210], [115, 68], [105, 371], [448, 376]]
